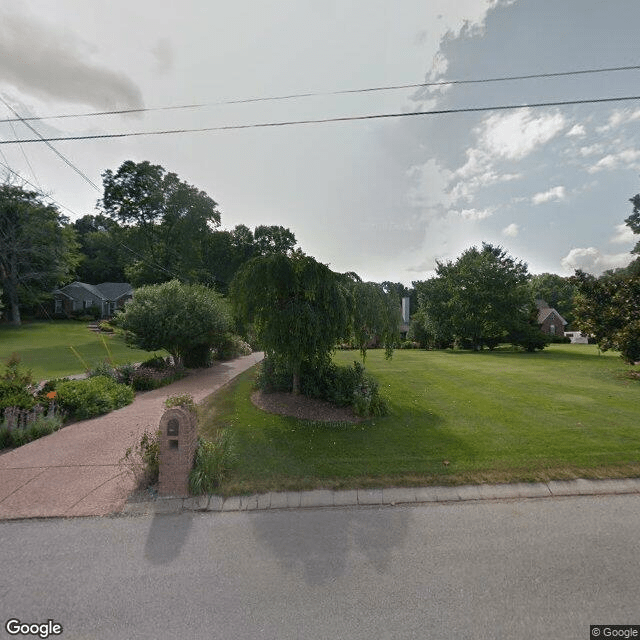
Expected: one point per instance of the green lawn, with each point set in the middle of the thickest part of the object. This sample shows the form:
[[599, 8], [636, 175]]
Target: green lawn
[[494, 416], [45, 348]]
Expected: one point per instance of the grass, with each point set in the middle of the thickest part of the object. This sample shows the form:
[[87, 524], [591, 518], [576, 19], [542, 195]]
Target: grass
[[456, 417], [46, 348]]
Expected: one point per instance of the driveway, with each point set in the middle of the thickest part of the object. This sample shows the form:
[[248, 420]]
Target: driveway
[[76, 471]]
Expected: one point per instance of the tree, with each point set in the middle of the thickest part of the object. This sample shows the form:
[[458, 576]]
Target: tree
[[298, 306], [38, 250], [478, 299], [608, 308], [375, 314], [168, 221], [185, 320], [103, 257]]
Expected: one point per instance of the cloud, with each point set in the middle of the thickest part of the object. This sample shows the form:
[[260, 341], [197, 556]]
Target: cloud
[[511, 231], [624, 235], [557, 193], [473, 214], [516, 135], [619, 117], [577, 130], [628, 157], [592, 260], [39, 61]]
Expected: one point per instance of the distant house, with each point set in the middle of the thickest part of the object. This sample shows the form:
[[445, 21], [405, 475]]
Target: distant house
[[550, 321], [577, 337], [108, 297]]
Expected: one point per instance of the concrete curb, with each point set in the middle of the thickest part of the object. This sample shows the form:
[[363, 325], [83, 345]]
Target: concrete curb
[[384, 497]]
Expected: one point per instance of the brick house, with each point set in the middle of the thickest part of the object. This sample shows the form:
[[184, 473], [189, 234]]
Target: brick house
[[550, 321], [78, 296]]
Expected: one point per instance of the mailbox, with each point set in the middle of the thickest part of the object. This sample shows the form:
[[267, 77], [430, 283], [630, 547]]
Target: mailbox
[[178, 443]]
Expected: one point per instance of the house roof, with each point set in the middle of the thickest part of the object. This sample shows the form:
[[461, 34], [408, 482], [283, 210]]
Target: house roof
[[108, 291], [544, 313], [114, 290]]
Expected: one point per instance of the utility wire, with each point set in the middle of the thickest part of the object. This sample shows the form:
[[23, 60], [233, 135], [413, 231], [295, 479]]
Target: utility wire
[[260, 125], [309, 94], [48, 143], [38, 189]]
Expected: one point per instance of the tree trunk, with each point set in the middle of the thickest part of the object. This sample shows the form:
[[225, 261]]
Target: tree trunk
[[15, 314], [296, 381]]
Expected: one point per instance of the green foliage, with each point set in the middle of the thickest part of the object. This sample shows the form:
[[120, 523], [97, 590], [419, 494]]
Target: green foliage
[[342, 386], [42, 426], [477, 299], [84, 399], [212, 462], [16, 386], [182, 400], [38, 250], [608, 308], [298, 306], [232, 347], [185, 320], [375, 315], [166, 220], [142, 459]]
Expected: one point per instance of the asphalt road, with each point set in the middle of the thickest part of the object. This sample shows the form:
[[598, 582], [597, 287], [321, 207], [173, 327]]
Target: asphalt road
[[539, 569]]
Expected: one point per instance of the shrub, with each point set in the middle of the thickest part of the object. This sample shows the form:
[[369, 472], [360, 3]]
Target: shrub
[[182, 400], [16, 386], [106, 326], [142, 459], [42, 426], [84, 399], [342, 386], [232, 347], [158, 363], [103, 368], [212, 461]]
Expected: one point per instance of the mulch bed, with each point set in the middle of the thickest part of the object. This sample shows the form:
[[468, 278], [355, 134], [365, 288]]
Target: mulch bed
[[302, 407]]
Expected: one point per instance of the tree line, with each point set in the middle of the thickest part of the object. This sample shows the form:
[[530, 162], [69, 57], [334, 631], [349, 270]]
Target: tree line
[[151, 227]]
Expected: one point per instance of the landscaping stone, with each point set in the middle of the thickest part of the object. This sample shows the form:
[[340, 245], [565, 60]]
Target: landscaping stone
[[231, 504], [317, 498], [346, 497], [369, 496], [167, 505], [399, 495]]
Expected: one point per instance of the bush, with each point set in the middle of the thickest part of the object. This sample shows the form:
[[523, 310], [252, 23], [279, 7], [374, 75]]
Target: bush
[[42, 426], [84, 399], [232, 347], [103, 368], [16, 386], [342, 386], [183, 400], [106, 326], [142, 459], [212, 462]]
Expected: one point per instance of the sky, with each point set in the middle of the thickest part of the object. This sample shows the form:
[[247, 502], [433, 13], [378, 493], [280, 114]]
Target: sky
[[386, 198]]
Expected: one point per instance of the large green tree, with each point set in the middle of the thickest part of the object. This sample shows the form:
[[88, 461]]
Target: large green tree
[[187, 320], [168, 221], [38, 250], [479, 299], [298, 306], [104, 257], [608, 309]]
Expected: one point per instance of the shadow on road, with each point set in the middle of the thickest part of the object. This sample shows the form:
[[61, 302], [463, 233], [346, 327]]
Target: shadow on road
[[318, 543], [167, 536]]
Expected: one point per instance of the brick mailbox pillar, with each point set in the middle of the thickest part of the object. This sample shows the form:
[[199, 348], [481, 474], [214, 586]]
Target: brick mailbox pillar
[[178, 442]]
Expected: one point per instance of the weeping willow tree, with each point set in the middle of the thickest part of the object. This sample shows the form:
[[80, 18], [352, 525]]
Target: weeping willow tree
[[298, 306]]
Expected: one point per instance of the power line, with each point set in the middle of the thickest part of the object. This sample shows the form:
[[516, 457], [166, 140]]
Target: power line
[[310, 94], [48, 143], [260, 125], [38, 189]]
